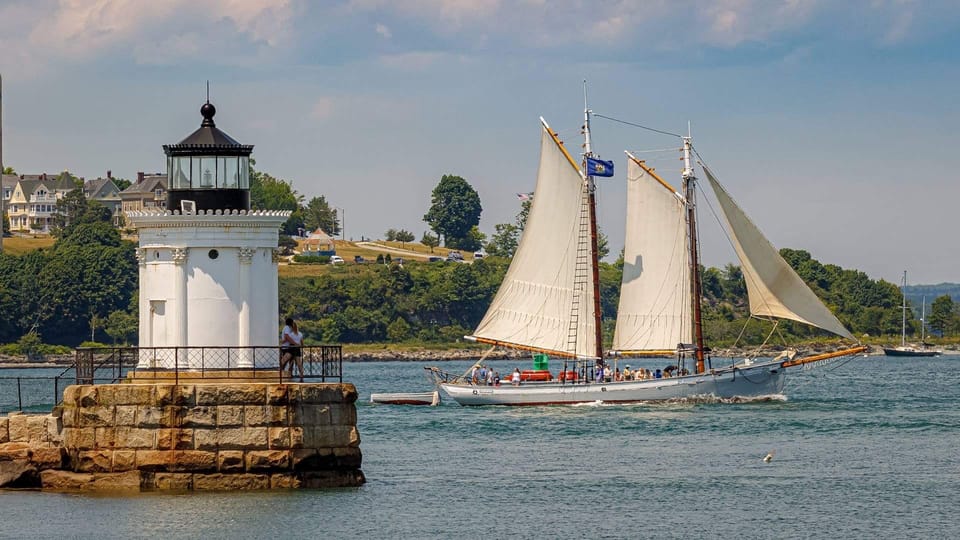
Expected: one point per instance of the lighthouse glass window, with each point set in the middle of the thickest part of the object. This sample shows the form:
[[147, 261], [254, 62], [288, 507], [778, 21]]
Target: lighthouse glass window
[[228, 173], [179, 168]]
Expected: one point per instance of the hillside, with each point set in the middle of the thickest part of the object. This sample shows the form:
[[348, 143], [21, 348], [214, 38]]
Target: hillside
[[917, 293]]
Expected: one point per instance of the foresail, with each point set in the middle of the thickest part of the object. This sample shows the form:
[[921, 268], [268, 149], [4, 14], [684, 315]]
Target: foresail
[[534, 306], [774, 289], [654, 312]]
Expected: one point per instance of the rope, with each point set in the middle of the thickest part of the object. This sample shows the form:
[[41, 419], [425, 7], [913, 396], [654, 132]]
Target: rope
[[639, 126]]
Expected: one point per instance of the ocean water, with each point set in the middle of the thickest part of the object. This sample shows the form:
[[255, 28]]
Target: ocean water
[[864, 448]]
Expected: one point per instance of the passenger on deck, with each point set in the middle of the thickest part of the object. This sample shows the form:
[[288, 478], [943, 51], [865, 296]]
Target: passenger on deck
[[483, 373], [515, 378], [489, 377], [496, 378], [658, 374], [473, 375], [617, 376], [627, 374]]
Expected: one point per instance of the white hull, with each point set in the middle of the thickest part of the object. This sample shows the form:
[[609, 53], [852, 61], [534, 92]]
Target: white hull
[[410, 398], [743, 382]]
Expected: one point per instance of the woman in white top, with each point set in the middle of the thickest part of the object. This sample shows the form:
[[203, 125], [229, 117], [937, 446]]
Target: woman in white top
[[515, 378], [291, 341]]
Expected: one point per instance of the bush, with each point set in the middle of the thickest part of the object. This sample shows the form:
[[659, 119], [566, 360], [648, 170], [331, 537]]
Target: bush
[[312, 259]]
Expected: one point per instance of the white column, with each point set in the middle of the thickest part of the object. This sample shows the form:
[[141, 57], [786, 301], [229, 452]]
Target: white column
[[180, 296], [245, 356], [143, 314]]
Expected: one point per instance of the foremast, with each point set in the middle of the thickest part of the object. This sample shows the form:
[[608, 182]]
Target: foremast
[[594, 258], [689, 187]]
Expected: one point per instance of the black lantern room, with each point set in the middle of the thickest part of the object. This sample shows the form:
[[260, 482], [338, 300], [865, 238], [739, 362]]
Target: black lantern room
[[208, 170]]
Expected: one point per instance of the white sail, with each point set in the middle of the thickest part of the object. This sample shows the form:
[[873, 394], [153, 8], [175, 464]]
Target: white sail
[[654, 312], [535, 304], [773, 287]]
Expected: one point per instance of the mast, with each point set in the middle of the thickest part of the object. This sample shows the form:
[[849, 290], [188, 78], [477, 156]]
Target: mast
[[592, 209], [689, 185], [903, 326], [923, 320]]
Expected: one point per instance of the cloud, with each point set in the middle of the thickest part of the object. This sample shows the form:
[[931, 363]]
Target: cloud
[[82, 30], [323, 108], [411, 61], [383, 31]]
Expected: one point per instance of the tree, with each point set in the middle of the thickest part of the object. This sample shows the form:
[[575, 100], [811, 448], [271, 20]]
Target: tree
[[30, 344], [403, 236], [6, 225], [122, 183], [269, 193], [318, 214], [473, 241], [602, 248], [121, 326], [9, 170], [69, 209], [504, 241], [390, 235], [455, 208], [942, 314], [524, 213], [430, 241]]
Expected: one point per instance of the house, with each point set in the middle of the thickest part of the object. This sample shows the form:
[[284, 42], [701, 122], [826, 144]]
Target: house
[[149, 191], [6, 187], [34, 201], [318, 243], [106, 192]]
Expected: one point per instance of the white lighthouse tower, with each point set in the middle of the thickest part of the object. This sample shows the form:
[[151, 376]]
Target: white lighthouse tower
[[208, 264]]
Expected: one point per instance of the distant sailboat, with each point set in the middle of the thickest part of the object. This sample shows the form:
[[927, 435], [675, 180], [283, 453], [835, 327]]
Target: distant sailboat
[[548, 302], [910, 350]]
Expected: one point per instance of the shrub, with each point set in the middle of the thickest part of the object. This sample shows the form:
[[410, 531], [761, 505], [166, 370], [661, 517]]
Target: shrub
[[312, 259]]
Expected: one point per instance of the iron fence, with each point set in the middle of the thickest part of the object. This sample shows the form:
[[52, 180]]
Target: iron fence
[[94, 365], [324, 362]]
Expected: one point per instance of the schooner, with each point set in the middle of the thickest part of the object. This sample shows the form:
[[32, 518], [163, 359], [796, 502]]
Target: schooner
[[549, 302]]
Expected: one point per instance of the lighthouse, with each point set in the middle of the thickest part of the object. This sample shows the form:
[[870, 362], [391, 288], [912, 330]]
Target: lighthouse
[[208, 263]]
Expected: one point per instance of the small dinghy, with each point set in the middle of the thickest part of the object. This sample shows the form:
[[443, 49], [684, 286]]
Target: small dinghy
[[411, 398]]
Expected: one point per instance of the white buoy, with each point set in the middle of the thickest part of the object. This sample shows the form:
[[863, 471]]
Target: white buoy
[[769, 457]]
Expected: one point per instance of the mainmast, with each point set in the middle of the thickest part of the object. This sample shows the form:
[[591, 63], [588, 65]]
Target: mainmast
[[689, 186], [903, 325], [592, 209]]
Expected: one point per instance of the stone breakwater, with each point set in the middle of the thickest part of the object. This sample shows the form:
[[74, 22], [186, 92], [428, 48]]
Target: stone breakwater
[[142, 437]]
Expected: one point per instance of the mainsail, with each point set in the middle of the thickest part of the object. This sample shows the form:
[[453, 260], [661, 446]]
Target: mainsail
[[654, 312], [773, 287], [535, 308]]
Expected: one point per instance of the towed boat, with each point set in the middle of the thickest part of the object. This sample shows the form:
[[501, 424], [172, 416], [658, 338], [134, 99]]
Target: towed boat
[[549, 300], [408, 398]]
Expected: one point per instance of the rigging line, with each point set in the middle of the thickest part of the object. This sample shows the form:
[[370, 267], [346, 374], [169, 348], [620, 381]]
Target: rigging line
[[664, 150], [639, 126]]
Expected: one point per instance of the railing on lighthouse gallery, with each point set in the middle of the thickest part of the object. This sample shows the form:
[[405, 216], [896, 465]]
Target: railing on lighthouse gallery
[[107, 364]]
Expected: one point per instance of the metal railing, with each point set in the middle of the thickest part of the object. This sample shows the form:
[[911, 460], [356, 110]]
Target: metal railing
[[107, 365], [324, 362]]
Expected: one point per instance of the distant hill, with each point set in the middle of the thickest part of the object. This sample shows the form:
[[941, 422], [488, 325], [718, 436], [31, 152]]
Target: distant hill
[[916, 293]]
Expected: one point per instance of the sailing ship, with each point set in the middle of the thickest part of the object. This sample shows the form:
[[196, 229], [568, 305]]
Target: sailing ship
[[549, 300], [910, 350]]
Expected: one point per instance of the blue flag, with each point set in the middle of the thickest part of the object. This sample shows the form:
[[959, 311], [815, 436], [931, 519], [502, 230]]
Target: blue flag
[[599, 167]]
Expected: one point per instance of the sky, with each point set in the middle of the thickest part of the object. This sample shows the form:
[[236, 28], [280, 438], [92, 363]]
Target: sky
[[831, 123]]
